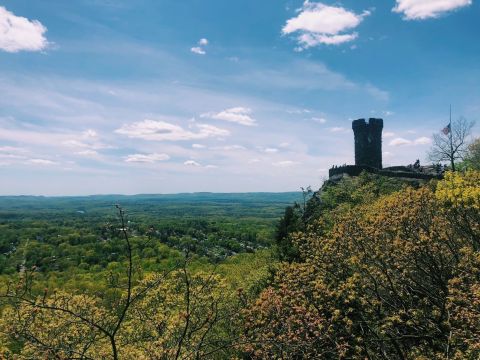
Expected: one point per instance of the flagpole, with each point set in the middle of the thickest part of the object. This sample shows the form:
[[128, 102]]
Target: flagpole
[[451, 140]]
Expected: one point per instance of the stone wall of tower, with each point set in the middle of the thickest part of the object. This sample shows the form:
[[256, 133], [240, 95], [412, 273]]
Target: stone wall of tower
[[368, 142]]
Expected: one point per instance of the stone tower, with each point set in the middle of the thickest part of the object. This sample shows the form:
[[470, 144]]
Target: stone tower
[[368, 142]]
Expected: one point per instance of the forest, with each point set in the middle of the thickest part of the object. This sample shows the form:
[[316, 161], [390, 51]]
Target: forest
[[67, 234], [365, 267]]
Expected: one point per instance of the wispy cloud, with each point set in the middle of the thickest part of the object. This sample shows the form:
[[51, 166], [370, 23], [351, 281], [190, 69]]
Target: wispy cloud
[[21, 34], [12, 152], [42, 162], [33, 135], [318, 23], [399, 142], [337, 129], [87, 153], [192, 163], [424, 9], [228, 147], [377, 93], [146, 158], [238, 115], [198, 146], [270, 150], [319, 120], [161, 130], [284, 163], [423, 141], [419, 141], [306, 75], [387, 154]]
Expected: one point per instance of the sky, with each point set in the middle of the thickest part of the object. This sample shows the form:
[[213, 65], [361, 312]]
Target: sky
[[163, 96]]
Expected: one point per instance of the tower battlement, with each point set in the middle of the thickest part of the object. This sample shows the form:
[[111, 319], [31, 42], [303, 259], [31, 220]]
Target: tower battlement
[[368, 157], [368, 142]]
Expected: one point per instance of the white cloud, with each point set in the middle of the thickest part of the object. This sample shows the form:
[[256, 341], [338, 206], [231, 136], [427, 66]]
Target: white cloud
[[89, 134], [424, 9], [419, 141], [87, 153], [311, 40], [238, 115], [12, 150], [11, 156], [270, 150], [146, 158], [161, 130], [387, 155], [305, 75], [41, 162], [191, 163], [75, 143], [198, 50], [228, 147], [423, 141], [318, 23], [85, 144], [337, 129], [399, 142], [377, 93], [284, 163], [20, 34], [319, 120], [198, 146], [299, 111], [388, 134]]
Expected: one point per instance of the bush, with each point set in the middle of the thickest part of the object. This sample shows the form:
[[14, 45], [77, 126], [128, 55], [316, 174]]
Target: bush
[[396, 278]]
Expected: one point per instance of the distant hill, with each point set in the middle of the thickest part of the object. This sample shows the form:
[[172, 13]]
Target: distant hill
[[264, 205]]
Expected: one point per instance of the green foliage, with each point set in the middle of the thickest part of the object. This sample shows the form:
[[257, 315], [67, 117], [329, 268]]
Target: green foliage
[[331, 199], [73, 235], [65, 277], [373, 267], [290, 223], [395, 278], [472, 158]]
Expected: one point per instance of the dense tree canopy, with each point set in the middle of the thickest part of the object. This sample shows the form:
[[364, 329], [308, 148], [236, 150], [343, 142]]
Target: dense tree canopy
[[396, 278], [373, 268]]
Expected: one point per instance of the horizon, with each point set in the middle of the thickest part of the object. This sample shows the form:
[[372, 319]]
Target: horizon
[[153, 194], [147, 97]]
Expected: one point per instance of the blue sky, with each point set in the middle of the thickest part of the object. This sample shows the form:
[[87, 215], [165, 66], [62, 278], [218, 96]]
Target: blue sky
[[156, 96]]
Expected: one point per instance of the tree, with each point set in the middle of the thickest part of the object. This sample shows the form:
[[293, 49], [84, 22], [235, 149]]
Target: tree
[[451, 144], [397, 278], [472, 159], [286, 226], [133, 315]]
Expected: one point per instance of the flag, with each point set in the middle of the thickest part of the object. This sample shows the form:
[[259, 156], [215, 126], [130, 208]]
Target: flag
[[446, 130]]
